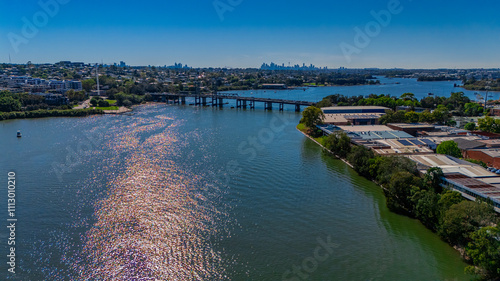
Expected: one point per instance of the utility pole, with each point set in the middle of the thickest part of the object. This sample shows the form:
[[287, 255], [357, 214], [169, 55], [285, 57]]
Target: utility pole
[[486, 97], [97, 78]]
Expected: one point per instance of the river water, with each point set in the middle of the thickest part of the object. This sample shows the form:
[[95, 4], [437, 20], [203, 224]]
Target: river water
[[389, 86], [190, 193]]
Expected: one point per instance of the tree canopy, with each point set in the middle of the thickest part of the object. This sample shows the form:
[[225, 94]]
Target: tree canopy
[[449, 148], [312, 116]]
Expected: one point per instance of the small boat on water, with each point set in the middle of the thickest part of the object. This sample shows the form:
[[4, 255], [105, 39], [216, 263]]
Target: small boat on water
[[18, 134]]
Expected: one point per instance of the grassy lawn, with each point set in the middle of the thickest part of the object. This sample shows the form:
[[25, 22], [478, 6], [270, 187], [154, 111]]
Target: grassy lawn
[[111, 102], [108, 108], [321, 140], [303, 129]]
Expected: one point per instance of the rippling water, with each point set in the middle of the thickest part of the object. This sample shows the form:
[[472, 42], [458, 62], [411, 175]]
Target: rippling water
[[151, 225], [185, 193]]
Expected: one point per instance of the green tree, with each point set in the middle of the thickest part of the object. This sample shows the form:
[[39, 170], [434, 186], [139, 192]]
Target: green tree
[[388, 166], [489, 124], [8, 104], [325, 102], [427, 208], [484, 250], [411, 117], [408, 97], [448, 199], [426, 117], [457, 99], [441, 114], [360, 159], [473, 109], [339, 143], [449, 148], [312, 116], [470, 126], [103, 103], [393, 117], [461, 219], [76, 96], [399, 192], [95, 100], [433, 179], [88, 85]]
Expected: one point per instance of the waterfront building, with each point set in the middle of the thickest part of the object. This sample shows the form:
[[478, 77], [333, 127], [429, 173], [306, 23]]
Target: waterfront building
[[353, 115], [471, 180]]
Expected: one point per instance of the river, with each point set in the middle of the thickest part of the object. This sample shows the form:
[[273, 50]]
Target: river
[[175, 192], [388, 86]]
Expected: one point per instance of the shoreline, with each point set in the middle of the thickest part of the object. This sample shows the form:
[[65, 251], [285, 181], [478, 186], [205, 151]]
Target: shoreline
[[17, 115], [324, 148], [459, 249], [121, 109]]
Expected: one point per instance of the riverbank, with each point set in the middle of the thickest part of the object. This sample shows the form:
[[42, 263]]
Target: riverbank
[[49, 113], [318, 143], [459, 222], [120, 110]]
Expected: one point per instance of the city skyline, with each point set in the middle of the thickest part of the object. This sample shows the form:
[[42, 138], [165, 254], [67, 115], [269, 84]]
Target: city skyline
[[242, 34]]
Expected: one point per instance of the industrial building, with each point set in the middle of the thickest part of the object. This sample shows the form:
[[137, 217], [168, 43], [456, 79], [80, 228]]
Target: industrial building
[[471, 180], [353, 115], [412, 129], [489, 156]]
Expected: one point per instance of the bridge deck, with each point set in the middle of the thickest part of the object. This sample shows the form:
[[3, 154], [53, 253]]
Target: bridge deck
[[234, 97]]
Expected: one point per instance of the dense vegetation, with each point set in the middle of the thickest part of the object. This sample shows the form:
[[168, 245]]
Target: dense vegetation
[[435, 78], [49, 113], [25, 102], [23, 105], [457, 104], [489, 124], [440, 115], [472, 226], [482, 85]]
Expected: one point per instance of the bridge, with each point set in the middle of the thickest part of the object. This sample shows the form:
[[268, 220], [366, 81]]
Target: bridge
[[218, 100]]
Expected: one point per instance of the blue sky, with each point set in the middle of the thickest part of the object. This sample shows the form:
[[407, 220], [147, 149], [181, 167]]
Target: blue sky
[[421, 34]]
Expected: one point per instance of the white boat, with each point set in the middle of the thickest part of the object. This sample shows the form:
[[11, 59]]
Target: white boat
[[18, 134]]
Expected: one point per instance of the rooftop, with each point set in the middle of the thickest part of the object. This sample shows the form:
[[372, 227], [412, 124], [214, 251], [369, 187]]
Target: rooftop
[[491, 143], [412, 125], [353, 107], [366, 128], [486, 134], [374, 132], [465, 144], [495, 153], [451, 165]]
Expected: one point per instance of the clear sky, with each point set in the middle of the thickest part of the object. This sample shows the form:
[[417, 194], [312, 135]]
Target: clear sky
[[246, 33]]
